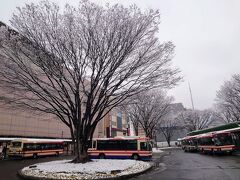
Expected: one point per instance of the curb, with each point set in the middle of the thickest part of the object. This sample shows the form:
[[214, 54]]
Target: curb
[[23, 176], [133, 174]]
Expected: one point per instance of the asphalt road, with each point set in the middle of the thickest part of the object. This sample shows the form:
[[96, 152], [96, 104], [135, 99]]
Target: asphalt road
[[178, 165], [9, 168], [171, 165]]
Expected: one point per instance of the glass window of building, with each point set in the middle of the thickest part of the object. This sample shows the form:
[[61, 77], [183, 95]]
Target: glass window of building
[[119, 120]]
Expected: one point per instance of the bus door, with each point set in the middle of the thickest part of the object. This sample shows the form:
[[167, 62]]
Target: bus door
[[236, 138], [92, 145], [145, 146]]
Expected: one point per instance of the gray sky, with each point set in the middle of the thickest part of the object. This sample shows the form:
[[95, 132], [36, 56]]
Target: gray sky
[[206, 34]]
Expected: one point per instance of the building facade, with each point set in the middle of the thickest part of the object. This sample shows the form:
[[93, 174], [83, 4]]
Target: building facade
[[18, 123]]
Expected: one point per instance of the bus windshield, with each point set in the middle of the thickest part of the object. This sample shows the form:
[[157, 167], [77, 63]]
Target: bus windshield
[[193, 142], [16, 144], [145, 146]]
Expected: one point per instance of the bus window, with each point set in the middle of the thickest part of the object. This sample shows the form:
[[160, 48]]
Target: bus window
[[38, 147], [206, 141], [225, 139], [130, 145], [217, 142], [94, 144], [25, 147], [29, 146], [45, 146], [107, 145], [89, 144], [143, 146], [16, 144]]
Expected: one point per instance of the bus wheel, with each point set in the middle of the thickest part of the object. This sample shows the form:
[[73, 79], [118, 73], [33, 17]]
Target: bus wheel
[[35, 156], [101, 156], [135, 156]]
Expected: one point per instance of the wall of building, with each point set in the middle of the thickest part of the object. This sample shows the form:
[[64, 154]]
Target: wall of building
[[118, 123], [16, 123]]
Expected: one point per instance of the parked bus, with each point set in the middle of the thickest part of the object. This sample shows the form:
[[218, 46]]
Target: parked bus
[[121, 148], [34, 148], [205, 142], [189, 144], [220, 139], [217, 142]]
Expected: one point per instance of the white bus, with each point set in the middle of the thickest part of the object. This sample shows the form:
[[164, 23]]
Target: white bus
[[35, 147]]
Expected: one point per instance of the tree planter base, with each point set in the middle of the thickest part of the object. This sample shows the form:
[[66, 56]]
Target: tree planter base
[[99, 169]]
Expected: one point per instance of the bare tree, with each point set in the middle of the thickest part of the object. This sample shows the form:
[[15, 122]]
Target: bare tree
[[195, 119], [147, 109], [168, 127], [170, 123], [81, 62], [133, 115], [228, 100]]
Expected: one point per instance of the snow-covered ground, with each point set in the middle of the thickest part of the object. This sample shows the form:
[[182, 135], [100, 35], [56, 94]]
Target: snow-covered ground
[[98, 168], [173, 147], [157, 150]]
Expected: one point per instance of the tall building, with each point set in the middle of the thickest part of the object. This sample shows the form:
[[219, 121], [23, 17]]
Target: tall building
[[118, 125], [18, 123]]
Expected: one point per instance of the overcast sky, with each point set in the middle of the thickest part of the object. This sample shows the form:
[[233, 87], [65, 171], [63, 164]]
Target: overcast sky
[[206, 34]]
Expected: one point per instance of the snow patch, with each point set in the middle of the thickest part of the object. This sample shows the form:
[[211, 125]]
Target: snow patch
[[174, 147], [156, 150], [98, 168]]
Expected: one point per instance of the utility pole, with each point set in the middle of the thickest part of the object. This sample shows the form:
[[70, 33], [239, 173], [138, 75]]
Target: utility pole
[[191, 95]]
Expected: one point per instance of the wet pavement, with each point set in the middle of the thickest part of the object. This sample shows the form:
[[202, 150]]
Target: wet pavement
[[9, 168], [177, 165], [173, 164]]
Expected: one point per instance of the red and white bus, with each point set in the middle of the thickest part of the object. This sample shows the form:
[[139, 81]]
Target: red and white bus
[[121, 148], [217, 142], [189, 143], [34, 148]]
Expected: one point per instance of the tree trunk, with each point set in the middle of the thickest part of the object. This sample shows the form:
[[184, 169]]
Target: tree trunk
[[81, 153], [148, 134], [136, 130], [73, 141], [169, 142], [80, 149]]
